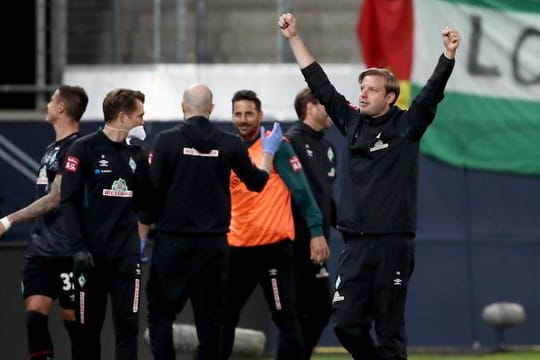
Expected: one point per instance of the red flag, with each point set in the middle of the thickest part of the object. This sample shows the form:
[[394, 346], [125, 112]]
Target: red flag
[[385, 31]]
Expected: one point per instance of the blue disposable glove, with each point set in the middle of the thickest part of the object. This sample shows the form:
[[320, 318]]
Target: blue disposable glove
[[144, 258], [271, 143], [82, 261]]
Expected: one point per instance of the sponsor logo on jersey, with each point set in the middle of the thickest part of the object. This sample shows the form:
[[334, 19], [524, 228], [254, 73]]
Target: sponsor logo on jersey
[[72, 163], [119, 189], [103, 163], [195, 152], [295, 163]]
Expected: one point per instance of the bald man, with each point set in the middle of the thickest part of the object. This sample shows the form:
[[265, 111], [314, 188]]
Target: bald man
[[190, 167]]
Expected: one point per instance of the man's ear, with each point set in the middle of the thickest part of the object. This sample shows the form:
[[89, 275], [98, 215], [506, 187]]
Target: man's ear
[[391, 97], [61, 107], [122, 116], [310, 107]]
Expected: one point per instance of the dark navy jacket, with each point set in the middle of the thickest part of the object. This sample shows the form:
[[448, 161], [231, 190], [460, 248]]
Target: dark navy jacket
[[380, 179]]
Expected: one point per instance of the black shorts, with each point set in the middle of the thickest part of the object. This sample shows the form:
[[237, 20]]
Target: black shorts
[[49, 276]]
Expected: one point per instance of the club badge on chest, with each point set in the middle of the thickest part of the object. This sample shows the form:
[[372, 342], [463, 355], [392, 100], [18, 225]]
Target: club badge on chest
[[379, 144]]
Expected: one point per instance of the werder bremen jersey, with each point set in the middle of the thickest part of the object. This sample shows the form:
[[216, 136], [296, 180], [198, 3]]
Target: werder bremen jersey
[[48, 237], [104, 184]]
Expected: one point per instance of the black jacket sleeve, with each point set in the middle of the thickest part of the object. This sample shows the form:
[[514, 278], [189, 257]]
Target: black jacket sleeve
[[73, 193], [290, 170], [422, 111], [143, 188], [160, 173], [254, 178], [341, 111]]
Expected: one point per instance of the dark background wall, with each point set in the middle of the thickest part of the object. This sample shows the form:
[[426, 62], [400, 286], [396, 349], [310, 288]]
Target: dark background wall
[[18, 53], [477, 243]]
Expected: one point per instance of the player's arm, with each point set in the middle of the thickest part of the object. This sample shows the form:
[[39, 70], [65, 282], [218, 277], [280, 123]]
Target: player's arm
[[143, 186], [241, 163], [73, 194], [143, 199], [287, 24], [290, 170], [255, 177], [40, 207]]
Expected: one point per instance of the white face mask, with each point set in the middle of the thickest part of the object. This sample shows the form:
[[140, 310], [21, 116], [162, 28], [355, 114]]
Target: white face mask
[[137, 132]]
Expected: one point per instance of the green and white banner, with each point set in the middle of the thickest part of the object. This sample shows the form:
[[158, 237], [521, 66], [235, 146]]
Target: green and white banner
[[490, 117]]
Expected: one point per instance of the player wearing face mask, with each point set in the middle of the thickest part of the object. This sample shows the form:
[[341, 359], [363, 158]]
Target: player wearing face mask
[[105, 184], [136, 136]]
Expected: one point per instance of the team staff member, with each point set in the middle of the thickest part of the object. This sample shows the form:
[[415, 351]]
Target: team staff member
[[190, 171], [105, 182], [318, 159], [377, 207], [47, 272], [261, 233]]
